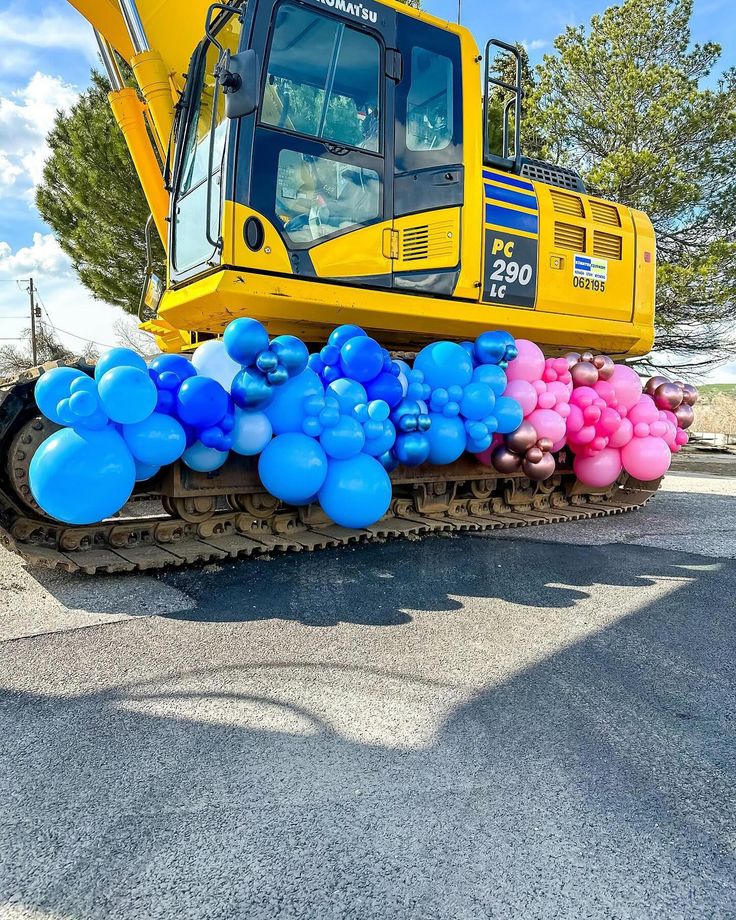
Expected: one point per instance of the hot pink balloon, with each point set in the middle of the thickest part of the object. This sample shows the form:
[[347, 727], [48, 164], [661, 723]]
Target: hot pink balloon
[[646, 458], [484, 456], [600, 470], [644, 411], [524, 393], [529, 363], [622, 436], [627, 385], [549, 424]]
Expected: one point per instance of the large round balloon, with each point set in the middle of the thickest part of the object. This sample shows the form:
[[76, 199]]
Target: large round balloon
[[293, 467], [509, 414], [128, 395], [157, 440], [627, 385], [348, 393], [245, 339], [201, 402], [291, 352], [118, 357], [356, 492], [361, 358], [204, 459], [251, 433], [286, 409], [447, 439], [528, 364], [601, 469], [444, 364], [53, 387], [82, 476], [344, 440], [646, 458], [342, 334], [212, 360]]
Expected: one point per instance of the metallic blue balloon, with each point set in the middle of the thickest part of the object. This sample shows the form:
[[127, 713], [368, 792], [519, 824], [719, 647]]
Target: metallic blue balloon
[[356, 492], [119, 357], [201, 402], [245, 339], [412, 449], [291, 352], [490, 347], [251, 389], [293, 467], [267, 361]]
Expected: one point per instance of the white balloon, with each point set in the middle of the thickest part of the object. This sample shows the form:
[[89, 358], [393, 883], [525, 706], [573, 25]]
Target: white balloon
[[212, 360], [251, 433]]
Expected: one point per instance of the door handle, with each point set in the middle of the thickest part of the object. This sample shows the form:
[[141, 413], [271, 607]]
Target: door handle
[[336, 149]]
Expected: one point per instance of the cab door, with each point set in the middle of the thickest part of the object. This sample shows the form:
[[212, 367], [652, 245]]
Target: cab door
[[319, 152], [429, 175]]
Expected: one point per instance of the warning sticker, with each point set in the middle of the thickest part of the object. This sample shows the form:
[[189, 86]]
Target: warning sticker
[[590, 268]]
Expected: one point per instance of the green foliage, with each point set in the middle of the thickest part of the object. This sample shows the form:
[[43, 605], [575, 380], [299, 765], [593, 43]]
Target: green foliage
[[505, 70], [624, 102], [91, 197]]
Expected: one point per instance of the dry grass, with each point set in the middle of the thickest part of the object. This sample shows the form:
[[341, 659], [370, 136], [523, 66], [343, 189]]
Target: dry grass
[[716, 413]]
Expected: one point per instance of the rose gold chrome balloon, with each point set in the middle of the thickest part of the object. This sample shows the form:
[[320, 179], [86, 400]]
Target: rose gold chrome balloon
[[572, 357], [653, 383], [545, 444], [668, 396], [584, 374], [587, 356], [690, 394], [685, 416], [522, 439], [541, 470], [533, 455], [505, 461], [605, 366]]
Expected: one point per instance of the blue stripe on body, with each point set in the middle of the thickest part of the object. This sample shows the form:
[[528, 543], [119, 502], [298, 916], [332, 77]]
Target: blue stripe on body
[[508, 180], [512, 220], [511, 197]]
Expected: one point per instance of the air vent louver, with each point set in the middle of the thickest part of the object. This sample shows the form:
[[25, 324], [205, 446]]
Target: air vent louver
[[568, 236]]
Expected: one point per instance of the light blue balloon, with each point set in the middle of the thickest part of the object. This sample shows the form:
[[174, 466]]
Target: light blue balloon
[[356, 492], [293, 467], [204, 459], [82, 476], [381, 443], [447, 439], [444, 364], [53, 387], [119, 357], [509, 414], [157, 440], [492, 375], [477, 401], [286, 411], [251, 433], [144, 471], [348, 393], [128, 395], [346, 439]]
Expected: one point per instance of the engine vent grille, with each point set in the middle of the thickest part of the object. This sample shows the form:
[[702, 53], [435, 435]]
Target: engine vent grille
[[552, 175], [568, 236], [607, 246], [424, 242], [567, 204], [605, 213]]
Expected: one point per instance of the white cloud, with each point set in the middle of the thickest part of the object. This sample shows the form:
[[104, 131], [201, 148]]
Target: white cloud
[[536, 44], [48, 30], [43, 255], [26, 117]]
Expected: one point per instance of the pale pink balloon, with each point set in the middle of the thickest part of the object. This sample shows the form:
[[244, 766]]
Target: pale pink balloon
[[524, 393], [623, 435], [546, 400], [529, 363], [563, 409], [627, 385], [646, 458], [600, 470], [658, 429], [549, 424], [641, 430], [540, 386], [558, 445], [644, 411], [560, 392]]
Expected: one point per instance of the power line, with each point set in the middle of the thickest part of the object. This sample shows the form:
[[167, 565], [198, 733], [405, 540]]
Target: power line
[[66, 331]]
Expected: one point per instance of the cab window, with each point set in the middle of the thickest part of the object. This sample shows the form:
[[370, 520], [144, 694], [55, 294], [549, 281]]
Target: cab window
[[323, 80], [429, 121]]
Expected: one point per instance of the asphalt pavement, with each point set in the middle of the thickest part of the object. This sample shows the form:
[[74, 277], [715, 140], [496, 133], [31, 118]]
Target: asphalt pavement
[[537, 724]]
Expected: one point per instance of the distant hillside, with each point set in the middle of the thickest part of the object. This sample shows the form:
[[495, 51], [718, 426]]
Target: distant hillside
[[709, 390]]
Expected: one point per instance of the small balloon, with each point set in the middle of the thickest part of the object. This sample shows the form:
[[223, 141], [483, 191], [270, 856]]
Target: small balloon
[[245, 339], [204, 459], [685, 416], [539, 470], [504, 460]]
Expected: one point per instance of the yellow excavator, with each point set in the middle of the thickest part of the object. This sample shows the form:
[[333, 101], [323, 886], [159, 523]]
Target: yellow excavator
[[310, 163]]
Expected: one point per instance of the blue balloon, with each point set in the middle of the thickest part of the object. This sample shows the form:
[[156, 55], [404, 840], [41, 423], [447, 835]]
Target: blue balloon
[[95, 422], [177, 366], [251, 389], [291, 352], [344, 440], [82, 476], [509, 414], [201, 402], [492, 375], [157, 440], [470, 349], [204, 459], [53, 387], [128, 395], [490, 347], [293, 467], [447, 439], [387, 387], [286, 411], [361, 358], [444, 364], [144, 471], [412, 449], [348, 393], [341, 335], [477, 401], [119, 357], [251, 433], [356, 492], [381, 443], [245, 339]]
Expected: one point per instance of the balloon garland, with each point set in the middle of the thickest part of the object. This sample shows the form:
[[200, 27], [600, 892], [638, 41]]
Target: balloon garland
[[330, 427]]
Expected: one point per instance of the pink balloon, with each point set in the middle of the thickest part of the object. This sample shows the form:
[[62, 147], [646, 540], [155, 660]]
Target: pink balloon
[[641, 430], [484, 456], [623, 435], [560, 392], [549, 424], [644, 411], [546, 400], [529, 363], [524, 393], [627, 385], [600, 470], [646, 458], [658, 429], [604, 388]]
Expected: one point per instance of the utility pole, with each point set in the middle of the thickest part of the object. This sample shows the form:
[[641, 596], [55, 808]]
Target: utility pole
[[459, 10], [32, 296]]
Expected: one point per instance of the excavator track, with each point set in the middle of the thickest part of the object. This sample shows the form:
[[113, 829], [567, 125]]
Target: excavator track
[[196, 518]]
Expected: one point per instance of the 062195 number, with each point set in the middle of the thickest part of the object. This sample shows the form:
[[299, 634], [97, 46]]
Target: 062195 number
[[588, 284]]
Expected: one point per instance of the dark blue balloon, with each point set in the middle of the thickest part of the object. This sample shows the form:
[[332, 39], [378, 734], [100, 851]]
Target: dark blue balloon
[[387, 387], [293, 467], [201, 402], [251, 390], [176, 365], [291, 352], [341, 335], [361, 358], [356, 492], [245, 339]]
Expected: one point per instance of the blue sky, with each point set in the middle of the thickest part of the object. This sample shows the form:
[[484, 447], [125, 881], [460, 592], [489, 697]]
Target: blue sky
[[45, 63]]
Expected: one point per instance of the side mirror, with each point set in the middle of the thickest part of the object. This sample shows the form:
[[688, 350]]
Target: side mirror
[[237, 74]]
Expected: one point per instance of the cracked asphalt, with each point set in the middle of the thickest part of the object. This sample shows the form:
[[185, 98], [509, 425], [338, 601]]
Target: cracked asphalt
[[537, 724]]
